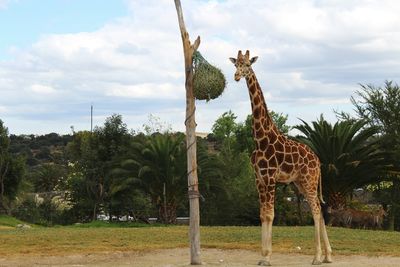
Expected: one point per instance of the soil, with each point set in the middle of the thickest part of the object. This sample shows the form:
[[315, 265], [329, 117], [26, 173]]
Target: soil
[[180, 258]]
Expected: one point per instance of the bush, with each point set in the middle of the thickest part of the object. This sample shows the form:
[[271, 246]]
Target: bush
[[46, 212]]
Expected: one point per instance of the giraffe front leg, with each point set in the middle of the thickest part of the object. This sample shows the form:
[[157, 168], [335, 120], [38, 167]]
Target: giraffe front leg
[[266, 194], [267, 217]]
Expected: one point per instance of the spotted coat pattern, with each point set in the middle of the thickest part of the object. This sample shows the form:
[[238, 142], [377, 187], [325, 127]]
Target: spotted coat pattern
[[278, 159]]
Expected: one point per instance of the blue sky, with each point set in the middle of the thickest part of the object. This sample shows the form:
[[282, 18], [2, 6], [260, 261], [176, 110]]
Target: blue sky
[[57, 57], [25, 21]]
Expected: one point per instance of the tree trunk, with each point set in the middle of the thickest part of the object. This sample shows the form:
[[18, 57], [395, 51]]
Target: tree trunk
[[337, 200], [394, 205], [193, 190], [94, 212], [298, 202], [3, 209], [167, 213]]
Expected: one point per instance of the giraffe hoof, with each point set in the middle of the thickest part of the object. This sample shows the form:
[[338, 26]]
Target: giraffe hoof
[[316, 262], [327, 260], [264, 263]]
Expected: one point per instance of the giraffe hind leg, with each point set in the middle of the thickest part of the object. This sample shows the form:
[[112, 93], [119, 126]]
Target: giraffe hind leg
[[327, 245], [313, 201]]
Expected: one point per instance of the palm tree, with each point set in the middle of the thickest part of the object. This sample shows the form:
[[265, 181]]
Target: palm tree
[[349, 153], [48, 176], [160, 163]]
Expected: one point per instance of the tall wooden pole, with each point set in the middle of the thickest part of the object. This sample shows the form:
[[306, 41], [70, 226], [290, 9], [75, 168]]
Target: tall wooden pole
[[193, 186]]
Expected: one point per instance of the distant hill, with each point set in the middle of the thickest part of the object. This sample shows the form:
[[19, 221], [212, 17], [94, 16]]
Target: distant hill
[[39, 149]]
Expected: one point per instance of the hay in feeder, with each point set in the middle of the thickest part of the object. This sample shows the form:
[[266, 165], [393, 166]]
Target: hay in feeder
[[208, 81]]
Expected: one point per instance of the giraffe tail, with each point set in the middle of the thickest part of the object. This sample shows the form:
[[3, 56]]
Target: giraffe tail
[[321, 198], [324, 206]]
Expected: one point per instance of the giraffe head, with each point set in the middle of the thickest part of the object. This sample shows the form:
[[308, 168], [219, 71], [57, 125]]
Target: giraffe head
[[243, 64]]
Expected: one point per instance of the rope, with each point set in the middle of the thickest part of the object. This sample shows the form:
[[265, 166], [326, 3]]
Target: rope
[[193, 189], [191, 115], [197, 59]]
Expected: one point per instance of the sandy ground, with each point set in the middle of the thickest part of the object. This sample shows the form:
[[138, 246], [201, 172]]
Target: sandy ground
[[180, 258]]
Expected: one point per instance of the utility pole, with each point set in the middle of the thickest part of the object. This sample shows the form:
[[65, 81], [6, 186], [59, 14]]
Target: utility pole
[[193, 185], [91, 118]]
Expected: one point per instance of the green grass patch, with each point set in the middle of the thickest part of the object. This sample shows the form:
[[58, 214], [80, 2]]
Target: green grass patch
[[106, 224], [9, 221], [97, 238]]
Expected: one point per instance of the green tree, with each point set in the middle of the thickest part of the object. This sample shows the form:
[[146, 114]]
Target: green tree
[[244, 136], [349, 153], [228, 184], [380, 107], [95, 155], [224, 127], [49, 177], [162, 161], [227, 132], [12, 170], [227, 187]]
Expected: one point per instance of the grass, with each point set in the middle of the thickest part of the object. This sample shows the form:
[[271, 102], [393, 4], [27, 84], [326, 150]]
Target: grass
[[98, 238], [106, 224], [9, 222]]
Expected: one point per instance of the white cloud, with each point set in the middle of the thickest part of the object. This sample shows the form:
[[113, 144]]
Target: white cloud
[[146, 90], [309, 51], [42, 89]]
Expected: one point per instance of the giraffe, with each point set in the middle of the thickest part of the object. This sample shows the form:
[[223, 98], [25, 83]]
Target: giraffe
[[277, 159]]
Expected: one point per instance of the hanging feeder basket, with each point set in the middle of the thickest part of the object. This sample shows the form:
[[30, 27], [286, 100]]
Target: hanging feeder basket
[[208, 81]]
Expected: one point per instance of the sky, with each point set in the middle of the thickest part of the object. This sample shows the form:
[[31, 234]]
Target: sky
[[59, 57]]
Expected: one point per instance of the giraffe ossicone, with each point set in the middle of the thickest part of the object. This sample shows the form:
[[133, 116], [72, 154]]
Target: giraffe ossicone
[[277, 159]]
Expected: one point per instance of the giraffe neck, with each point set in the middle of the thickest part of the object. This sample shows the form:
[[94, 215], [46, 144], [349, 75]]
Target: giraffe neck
[[262, 122]]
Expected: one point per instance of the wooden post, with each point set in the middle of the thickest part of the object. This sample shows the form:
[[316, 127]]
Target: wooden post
[[193, 188]]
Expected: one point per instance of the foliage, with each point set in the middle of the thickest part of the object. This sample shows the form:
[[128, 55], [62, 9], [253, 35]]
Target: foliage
[[244, 134], [48, 177], [40, 149], [280, 121], [158, 162], [155, 125], [380, 107], [93, 155], [228, 190], [350, 155], [117, 172], [12, 170], [237, 201], [224, 127], [239, 136]]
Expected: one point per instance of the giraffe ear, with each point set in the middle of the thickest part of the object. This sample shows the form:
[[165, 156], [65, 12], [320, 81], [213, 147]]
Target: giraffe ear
[[253, 59], [233, 60]]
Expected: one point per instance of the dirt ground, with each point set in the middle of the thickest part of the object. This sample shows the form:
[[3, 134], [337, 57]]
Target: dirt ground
[[180, 258]]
